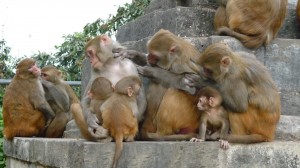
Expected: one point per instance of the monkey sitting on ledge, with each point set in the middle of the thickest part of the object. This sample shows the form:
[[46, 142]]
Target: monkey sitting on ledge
[[214, 122]]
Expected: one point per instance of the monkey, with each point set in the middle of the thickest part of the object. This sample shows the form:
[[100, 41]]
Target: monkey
[[60, 96], [254, 23], [101, 89], [99, 51], [214, 118], [26, 112], [298, 11], [118, 112], [249, 93], [171, 113]]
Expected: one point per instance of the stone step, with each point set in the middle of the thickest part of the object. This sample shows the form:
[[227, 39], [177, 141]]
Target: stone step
[[281, 57], [75, 153], [195, 21]]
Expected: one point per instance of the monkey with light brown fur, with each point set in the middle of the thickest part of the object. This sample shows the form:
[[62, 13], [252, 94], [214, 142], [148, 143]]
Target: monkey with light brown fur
[[118, 112], [25, 109], [99, 52], [60, 96], [214, 118], [101, 90], [249, 93], [253, 22]]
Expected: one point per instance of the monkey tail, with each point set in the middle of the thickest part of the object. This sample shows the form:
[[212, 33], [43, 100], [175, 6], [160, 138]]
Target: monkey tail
[[118, 150], [80, 121], [250, 41], [175, 137]]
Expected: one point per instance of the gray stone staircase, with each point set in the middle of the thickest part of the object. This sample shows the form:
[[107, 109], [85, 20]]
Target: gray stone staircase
[[192, 20]]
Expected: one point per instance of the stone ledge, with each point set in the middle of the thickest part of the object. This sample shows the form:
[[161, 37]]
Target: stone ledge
[[194, 21], [65, 153]]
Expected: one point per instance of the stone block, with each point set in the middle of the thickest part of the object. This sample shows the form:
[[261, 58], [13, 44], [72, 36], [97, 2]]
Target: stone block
[[66, 153], [183, 21]]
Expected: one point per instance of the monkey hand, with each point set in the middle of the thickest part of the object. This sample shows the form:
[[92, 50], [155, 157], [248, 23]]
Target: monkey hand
[[93, 121], [146, 71], [99, 132], [123, 53], [196, 140], [224, 144], [138, 58], [195, 80], [95, 129], [105, 140]]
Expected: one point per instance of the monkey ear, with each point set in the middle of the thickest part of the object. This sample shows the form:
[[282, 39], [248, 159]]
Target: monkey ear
[[212, 102], [130, 91], [174, 49], [105, 39], [89, 53], [225, 61]]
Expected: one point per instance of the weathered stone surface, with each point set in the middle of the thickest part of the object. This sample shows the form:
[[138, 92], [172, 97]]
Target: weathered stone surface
[[167, 4], [66, 153], [194, 21], [85, 75], [183, 21], [288, 128]]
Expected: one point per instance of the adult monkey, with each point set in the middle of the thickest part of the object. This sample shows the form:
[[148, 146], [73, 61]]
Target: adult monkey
[[253, 22], [26, 112], [170, 111], [249, 93], [99, 52], [60, 96]]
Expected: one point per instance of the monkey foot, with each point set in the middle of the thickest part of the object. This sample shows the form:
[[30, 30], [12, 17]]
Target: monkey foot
[[196, 140], [105, 140], [224, 144]]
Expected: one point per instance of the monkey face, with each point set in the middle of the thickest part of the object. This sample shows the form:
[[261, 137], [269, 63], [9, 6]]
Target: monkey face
[[35, 70], [91, 55], [202, 103], [152, 58]]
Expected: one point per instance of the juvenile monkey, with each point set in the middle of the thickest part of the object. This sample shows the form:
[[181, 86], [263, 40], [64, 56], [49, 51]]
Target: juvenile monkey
[[101, 90], [254, 23], [249, 93], [25, 109], [60, 96], [214, 118], [119, 112]]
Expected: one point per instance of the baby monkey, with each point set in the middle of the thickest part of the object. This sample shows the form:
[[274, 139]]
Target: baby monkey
[[117, 106], [101, 90], [214, 122]]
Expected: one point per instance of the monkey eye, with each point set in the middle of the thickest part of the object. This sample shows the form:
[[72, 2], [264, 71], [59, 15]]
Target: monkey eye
[[44, 75], [207, 71], [31, 66]]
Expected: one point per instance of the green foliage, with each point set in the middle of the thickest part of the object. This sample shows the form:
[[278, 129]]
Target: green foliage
[[5, 61], [70, 55], [124, 14]]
